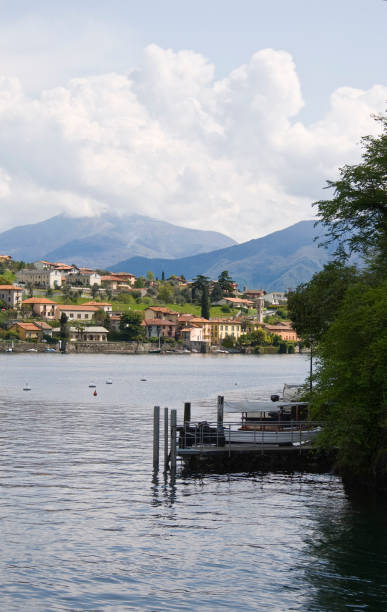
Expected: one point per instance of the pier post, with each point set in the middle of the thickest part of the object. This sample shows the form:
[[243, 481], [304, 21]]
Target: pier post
[[220, 410], [173, 440], [187, 412], [156, 436], [166, 445]]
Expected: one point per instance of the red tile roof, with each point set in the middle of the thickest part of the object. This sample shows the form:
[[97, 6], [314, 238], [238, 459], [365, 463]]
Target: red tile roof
[[77, 307], [11, 287], [97, 304], [28, 326], [36, 300]]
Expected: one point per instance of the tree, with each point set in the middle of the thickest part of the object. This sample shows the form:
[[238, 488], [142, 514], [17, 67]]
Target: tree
[[216, 293], [199, 282], [94, 290], [312, 306], [64, 332], [165, 293], [356, 217], [226, 283], [139, 283], [205, 303], [351, 384], [150, 276], [130, 326]]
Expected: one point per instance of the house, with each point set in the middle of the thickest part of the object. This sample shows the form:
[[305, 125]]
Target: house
[[63, 268], [283, 329], [191, 333], [27, 331], [45, 327], [253, 294], [87, 334], [206, 326], [105, 306], [161, 312], [275, 298], [114, 282], [5, 258], [45, 278], [229, 327], [78, 312], [126, 277], [156, 328], [115, 320], [238, 302], [85, 277], [11, 295], [41, 307]]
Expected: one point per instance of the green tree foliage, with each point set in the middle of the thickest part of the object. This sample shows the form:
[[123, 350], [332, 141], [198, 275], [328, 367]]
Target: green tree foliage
[[356, 217], [351, 382], [216, 293], [150, 276], [139, 283], [199, 282], [130, 326], [225, 282], [165, 293], [346, 311], [205, 303], [312, 306]]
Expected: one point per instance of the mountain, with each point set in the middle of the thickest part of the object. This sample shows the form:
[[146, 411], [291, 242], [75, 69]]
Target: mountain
[[278, 261], [100, 242]]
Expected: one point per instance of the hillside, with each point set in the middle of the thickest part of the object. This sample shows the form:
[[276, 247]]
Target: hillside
[[277, 261], [105, 240]]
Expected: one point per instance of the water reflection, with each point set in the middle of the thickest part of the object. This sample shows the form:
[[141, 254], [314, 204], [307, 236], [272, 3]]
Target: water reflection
[[349, 555]]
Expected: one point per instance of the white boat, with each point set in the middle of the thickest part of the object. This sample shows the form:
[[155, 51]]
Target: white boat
[[278, 423], [92, 385], [109, 381], [26, 387]]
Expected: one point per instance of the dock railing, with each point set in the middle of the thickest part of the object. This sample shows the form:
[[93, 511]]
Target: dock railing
[[204, 434]]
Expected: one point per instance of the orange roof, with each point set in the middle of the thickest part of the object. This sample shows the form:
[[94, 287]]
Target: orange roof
[[77, 307], [28, 326], [238, 301], [97, 304], [11, 287], [161, 309], [111, 277], [36, 300]]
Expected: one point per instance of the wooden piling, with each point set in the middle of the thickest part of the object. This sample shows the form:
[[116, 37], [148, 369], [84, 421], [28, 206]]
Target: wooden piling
[[173, 440], [187, 412], [220, 410], [166, 445], [156, 436]]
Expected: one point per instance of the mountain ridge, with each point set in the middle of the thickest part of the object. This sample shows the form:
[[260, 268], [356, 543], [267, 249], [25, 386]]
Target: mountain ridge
[[278, 261], [105, 240]]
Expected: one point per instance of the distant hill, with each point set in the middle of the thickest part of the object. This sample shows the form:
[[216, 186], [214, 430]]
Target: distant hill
[[278, 261], [102, 241]]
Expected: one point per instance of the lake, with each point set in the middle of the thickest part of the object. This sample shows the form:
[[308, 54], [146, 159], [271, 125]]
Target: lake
[[86, 525]]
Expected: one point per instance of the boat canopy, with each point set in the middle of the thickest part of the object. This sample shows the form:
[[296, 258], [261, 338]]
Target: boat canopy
[[258, 406]]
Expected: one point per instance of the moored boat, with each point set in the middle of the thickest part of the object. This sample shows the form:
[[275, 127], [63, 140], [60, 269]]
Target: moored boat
[[278, 423]]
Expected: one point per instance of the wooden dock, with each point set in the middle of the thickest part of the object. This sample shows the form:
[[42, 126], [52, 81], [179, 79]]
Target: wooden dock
[[252, 458]]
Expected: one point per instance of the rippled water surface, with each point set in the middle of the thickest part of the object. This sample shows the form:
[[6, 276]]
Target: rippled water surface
[[86, 525]]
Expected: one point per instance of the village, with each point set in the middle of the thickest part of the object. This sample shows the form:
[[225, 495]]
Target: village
[[75, 308]]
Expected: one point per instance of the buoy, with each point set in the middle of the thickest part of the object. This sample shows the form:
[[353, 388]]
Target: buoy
[[95, 392]]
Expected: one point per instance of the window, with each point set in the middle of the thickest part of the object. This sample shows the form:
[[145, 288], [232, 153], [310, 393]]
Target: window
[[86, 316], [71, 315], [79, 316]]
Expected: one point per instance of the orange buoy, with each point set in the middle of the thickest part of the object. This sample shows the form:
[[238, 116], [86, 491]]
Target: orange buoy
[[95, 392]]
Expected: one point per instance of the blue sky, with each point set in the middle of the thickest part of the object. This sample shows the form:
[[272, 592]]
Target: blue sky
[[245, 151]]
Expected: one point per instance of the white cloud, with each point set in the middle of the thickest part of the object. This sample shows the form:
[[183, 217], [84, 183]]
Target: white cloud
[[169, 141]]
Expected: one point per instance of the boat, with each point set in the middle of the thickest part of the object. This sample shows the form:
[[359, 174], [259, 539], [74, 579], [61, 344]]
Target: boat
[[109, 381], [92, 385], [26, 387], [282, 423]]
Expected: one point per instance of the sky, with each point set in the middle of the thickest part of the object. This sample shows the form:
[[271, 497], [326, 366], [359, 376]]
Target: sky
[[217, 114]]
